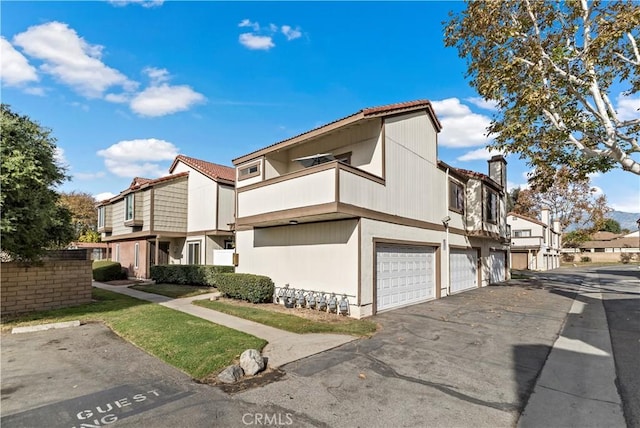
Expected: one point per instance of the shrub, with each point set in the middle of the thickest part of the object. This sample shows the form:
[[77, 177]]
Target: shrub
[[585, 259], [625, 258], [106, 270], [567, 257], [244, 286], [187, 274]]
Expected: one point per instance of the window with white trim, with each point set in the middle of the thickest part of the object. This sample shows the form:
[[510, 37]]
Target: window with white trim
[[101, 217], [491, 206], [525, 233], [193, 252], [128, 207], [136, 255], [456, 196], [249, 171], [117, 252]]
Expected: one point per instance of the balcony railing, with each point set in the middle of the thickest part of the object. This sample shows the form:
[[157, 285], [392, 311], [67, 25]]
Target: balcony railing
[[316, 191]]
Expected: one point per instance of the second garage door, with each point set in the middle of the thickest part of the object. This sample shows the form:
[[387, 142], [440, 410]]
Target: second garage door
[[497, 266], [404, 275], [463, 270]]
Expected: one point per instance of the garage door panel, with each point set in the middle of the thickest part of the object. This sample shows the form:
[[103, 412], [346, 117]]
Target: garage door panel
[[463, 270], [405, 275]]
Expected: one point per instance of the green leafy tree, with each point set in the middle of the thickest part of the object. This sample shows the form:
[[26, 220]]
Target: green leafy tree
[[31, 220], [611, 225], [90, 236], [551, 68], [575, 238]]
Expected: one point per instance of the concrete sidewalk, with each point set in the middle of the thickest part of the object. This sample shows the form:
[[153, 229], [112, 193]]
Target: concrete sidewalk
[[577, 385], [283, 347]]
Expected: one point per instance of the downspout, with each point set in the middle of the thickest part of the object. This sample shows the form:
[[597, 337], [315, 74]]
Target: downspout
[[446, 227]]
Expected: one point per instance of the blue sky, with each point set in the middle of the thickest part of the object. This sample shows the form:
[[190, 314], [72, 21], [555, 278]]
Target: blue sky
[[125, 86]]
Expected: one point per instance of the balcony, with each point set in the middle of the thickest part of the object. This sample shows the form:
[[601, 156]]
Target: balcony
[[329, 191], [532, 242]]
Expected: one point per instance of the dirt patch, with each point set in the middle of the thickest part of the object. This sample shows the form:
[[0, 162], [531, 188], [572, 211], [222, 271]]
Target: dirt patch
[[263, 378], [307, 313]]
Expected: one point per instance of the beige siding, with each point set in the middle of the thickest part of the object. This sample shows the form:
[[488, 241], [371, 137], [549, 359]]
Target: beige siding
[[118, 219], [252, 180], [170, 207], [312, 189], [226, 207], [145, 209], [313, 256]]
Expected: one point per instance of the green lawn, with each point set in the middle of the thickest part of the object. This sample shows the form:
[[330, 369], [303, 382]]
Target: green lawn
[[191, 344], [293, 323], [174, 290]]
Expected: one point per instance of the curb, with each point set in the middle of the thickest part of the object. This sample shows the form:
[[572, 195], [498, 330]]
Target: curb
[[43, 327]]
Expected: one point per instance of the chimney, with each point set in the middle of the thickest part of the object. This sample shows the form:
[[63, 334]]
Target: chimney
[[544, 216], [556, 226], [498, 170]]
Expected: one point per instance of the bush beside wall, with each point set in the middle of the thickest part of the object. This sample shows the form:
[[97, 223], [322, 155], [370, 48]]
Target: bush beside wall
[[106, 270], [244, 286], [187, 274]]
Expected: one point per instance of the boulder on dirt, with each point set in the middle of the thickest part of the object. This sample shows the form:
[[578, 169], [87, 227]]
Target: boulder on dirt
[[251, 361], [231, 374]]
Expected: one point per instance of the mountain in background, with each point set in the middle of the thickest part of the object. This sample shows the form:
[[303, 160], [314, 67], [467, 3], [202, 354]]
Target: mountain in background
[[626, 220]]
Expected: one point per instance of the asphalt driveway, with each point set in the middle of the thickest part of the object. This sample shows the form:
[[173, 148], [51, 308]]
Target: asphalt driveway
[[468, 360]]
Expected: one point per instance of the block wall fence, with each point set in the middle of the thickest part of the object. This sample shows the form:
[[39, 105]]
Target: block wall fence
[[62, 279]]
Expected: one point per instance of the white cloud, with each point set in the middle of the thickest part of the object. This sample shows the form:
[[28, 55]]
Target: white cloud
[[247, 23], [255, 42], [15, 69], [35, 90], [143, 3], [69, 58], [628, 107], [511, 185], [157, 75], [164, 99], [118, 98], [478, 154], [89, 175], [138, 158], [103, 196], [460, 126], [482, 103], [58, 157], [273, 28], [290, 33], [629, 205]]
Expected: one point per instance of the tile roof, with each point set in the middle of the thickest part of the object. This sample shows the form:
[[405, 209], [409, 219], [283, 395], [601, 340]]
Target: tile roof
[[533, 220], [605, 236], [211, 170], [613, 243], [365, 113]]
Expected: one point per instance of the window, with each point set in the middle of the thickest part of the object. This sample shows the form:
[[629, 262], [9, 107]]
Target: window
[[228, 244], [136, 252], [344, 158], [491, 206], [522, 233], [117, 252], [249, 171], [128, 207], [456, 196], [101, 217], [193, 253]]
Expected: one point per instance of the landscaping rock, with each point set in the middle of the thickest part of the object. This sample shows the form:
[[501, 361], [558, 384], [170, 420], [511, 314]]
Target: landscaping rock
[[231, 374], [251, 361]]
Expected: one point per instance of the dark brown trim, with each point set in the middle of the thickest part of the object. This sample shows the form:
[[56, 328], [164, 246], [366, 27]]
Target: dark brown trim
[[217, 207], [438, 254], [209, 232], [388, 218], [336, 182], [346, 155], [383, 137], [258, 162], [361, 173], [132, 223], [328, 208]]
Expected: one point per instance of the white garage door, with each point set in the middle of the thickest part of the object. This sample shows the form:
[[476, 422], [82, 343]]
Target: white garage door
[[463, 270], [497, 266], [404, 275]]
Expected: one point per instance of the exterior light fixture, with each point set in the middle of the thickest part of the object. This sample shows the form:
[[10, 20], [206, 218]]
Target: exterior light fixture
[[293, 222]]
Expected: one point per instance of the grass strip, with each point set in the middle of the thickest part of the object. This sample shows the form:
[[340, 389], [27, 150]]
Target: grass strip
[[174, 291], [193, 345], [291, 322]]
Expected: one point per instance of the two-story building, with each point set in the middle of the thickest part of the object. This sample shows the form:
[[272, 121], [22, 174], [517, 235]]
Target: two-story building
[[177, 219], [535, 244], [362, 206]]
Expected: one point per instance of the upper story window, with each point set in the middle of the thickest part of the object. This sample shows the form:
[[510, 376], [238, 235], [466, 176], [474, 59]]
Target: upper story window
[[249, 171], [128, 207], [522, 233], [101, 217], [491, 206], [456, 196]]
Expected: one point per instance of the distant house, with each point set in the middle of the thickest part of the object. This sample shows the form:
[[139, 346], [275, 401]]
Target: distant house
[[535, 244], [177, 219], [609, 247], [361, 206]]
